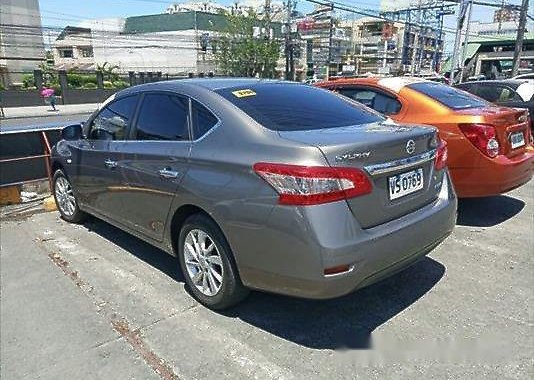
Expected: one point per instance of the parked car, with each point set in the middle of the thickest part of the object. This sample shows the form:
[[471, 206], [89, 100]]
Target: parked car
[[267, 185], [490, 147], [524, 76], [508, 92]]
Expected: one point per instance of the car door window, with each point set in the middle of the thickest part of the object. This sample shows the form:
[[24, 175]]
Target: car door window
[[494, 93], [202, 119], [376, 100], [508, 95], [163, 117], [112, 122]]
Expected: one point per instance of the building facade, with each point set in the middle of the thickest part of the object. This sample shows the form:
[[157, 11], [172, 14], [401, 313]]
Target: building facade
[[386, 47], [173, 43], [21, 40], [327, 44]]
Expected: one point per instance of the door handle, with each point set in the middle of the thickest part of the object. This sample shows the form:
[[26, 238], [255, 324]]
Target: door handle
[[168, 173], [110, 164]]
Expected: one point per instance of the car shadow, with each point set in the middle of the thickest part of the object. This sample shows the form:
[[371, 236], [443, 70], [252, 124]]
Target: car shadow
[[342, 323], [153, 256], [488, 211]]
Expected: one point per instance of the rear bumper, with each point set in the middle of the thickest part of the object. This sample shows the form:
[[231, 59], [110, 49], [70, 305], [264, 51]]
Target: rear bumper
[[372, 254], [493, 177]]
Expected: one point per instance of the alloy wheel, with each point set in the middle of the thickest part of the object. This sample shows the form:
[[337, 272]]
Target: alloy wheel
[[64, 196], [203, 262]]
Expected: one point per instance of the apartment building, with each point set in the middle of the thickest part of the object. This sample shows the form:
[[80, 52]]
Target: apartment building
[[21, 41], [386, 47]]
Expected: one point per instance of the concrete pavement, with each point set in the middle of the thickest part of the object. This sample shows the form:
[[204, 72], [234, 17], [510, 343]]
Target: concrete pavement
[[90, 301], [46, 111], [51, 329]]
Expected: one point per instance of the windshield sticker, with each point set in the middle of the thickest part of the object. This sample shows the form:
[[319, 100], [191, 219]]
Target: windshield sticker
[[243, 93]]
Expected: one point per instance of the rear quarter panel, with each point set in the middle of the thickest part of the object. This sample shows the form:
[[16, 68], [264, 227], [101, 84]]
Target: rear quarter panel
[[221, 181]]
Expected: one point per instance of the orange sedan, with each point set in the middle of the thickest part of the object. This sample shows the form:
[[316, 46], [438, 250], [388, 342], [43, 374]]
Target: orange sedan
[[490, 147]]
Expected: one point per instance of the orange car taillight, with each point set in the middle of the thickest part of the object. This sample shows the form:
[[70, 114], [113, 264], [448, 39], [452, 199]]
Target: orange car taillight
[[312, 185], [442, 154], [483, 136]]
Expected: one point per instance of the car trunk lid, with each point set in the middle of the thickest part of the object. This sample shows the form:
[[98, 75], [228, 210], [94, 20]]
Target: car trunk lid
[[508, 123], [384, 151]]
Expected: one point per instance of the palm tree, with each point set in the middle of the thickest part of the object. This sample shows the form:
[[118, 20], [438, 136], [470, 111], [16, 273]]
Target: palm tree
[[108, 71]]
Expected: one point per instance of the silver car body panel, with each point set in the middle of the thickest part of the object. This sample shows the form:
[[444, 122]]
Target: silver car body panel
[[279, 248]]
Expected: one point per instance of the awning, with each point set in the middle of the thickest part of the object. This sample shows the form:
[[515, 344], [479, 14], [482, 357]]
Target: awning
[[471, 50]]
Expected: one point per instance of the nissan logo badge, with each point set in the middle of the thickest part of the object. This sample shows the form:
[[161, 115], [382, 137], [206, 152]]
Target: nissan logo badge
[[410, 146]]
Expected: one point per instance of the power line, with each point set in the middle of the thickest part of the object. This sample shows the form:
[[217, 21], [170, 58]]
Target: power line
[[346, 8]]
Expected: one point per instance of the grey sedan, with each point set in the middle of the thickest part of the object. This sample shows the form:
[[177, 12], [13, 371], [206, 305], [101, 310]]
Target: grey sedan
[[257, 184]]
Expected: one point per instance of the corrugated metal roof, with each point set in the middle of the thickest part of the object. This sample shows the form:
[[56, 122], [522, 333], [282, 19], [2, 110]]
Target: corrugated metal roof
[[499, 40], [176, 21], [183, 21]]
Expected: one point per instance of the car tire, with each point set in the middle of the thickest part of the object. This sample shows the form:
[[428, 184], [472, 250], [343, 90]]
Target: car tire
[[212, 275], [66, 201]]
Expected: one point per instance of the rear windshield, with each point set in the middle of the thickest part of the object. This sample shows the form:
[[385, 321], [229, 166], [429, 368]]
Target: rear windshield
[[293, 107], [448, 96]]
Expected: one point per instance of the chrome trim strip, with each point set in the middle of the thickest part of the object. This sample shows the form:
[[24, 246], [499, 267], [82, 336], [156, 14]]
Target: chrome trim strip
[[404, 163]]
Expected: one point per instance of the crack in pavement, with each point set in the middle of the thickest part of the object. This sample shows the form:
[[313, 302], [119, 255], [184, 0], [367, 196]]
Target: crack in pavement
[[119, 323]]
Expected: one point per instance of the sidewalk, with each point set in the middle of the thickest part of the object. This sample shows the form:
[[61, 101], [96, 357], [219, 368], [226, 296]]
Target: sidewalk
[[44, 111]]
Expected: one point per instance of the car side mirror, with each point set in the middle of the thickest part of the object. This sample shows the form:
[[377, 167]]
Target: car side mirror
[[72, 132]]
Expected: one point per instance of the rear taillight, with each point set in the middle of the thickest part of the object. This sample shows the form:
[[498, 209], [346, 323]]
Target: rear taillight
[[442, 154], [311, 185], [483, 136]]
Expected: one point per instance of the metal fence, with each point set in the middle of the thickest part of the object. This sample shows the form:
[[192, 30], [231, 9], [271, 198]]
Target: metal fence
[[25, 155], [74, 87]]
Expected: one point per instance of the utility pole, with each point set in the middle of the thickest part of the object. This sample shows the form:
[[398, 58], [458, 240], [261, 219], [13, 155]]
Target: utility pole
[[267, 18], [330, 35], [464, 51], [500, 18], [289, 43], [414, 52], [462, 9], [416, 39], [520, 37]]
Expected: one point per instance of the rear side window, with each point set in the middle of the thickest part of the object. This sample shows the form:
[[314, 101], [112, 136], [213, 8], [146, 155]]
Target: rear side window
[[448, 96], [203, 120], [379, 102], [163, 117], [292, 107]]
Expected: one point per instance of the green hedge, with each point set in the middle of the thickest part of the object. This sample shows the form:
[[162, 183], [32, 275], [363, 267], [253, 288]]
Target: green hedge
[[80, 80], [120, 84], [28, 80]]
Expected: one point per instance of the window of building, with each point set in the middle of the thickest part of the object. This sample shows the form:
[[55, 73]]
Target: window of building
[[86, 52], [163, 117], [66, 53]]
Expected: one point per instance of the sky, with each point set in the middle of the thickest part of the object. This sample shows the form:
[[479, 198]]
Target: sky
[[59, 13]]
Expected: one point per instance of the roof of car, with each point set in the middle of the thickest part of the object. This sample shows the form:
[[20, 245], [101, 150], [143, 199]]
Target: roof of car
[[208, 83], [514, 83], [395, 84]]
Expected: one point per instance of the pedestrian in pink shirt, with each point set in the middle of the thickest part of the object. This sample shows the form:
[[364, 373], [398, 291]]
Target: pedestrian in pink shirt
[[49, 94]]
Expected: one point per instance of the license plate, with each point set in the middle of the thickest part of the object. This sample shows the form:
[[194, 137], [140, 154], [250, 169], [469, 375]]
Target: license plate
[[517, 139], [405, 183]]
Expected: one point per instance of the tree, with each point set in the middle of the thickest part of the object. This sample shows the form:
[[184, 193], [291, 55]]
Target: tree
[[240, 52], [109, 71]]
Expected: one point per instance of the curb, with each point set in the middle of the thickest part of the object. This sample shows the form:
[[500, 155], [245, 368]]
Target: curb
[[47, 115]]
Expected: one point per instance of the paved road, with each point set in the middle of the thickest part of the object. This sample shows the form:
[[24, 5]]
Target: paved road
[[9, 124], [92, 302]]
